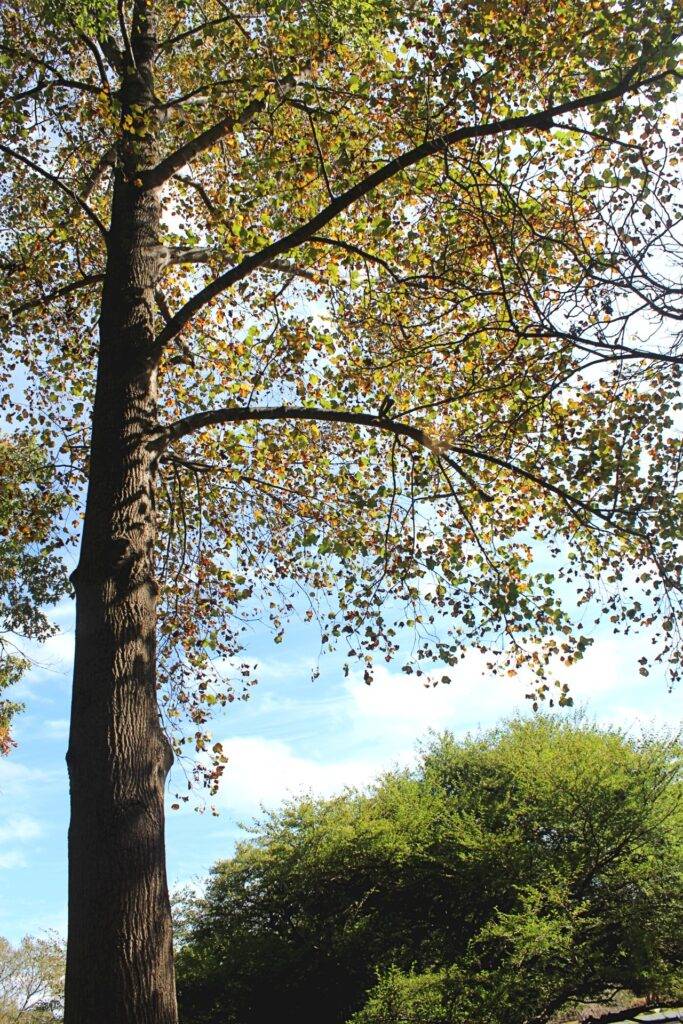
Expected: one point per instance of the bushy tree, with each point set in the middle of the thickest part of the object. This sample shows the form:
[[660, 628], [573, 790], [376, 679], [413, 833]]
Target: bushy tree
[[31, 981], [506, 876], [273, 270]]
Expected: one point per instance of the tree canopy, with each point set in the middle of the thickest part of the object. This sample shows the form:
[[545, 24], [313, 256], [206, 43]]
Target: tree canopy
[[363, 312], [412, 262], [508, 875]]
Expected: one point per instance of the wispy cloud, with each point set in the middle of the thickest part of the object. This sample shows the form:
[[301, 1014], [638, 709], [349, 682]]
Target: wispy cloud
[[56, 728], [265, 772], [18, 779], [19, 828], [12, 859]]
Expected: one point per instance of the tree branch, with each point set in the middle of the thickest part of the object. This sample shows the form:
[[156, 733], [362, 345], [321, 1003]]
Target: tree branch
[[203, 254], [539, 119], [108, 159], [87, 210], [162, 305], [240, 414], [92, 46], [167, 44], [113, 55], [356, 250], [289, 268], [57, 293], [173, 163], [128, 51], [199, 189], [46, 83], [611, 350], [321, 158], [441, 449]]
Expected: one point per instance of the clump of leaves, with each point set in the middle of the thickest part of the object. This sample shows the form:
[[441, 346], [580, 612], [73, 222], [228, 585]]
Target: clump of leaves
[[32, 572]]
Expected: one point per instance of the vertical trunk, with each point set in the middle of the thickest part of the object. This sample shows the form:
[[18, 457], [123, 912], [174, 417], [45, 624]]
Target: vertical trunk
[[119, 963], [119, 957]]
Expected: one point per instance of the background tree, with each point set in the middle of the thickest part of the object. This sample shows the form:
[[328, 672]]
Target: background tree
[[274, 269], [31, 981], [508, 875], [32, 506]]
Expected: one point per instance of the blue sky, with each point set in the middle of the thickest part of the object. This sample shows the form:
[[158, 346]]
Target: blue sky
[[293, 735]]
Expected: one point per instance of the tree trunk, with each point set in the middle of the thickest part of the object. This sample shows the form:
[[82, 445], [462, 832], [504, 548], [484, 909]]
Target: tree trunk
[[119, 955], [119, 960]]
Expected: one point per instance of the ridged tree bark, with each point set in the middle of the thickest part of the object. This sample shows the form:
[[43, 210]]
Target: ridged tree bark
[[119, 958]]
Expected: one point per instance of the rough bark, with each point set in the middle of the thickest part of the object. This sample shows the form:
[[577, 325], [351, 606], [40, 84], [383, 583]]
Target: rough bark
[[119, 956]]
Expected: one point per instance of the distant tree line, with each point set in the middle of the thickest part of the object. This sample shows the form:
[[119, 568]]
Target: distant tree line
[[508, 876]]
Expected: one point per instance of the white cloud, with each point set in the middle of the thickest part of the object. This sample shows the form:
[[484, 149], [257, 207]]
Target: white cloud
[[604, 680], [410, 705], [19, 828], [17, 779], [49, 675], [634, 719], [12, 859], [57, 728], [263, 771], [56, 654], [351, 735]]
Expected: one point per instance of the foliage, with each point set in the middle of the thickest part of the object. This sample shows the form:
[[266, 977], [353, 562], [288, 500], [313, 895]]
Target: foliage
[[95, 16], [31, 572], [411, 998], [31, 980], [413, 272], [508, 874]]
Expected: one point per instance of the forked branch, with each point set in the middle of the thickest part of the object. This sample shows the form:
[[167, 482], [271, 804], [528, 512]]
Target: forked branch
[[443, 450], [62, 186], [543, 119]]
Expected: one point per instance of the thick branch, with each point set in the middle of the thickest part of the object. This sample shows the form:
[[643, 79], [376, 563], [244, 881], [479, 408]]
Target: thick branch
[[173, 163], [111, 51], [204, 254], [87, 210], [303, 233], [441, 449], [240, 414]]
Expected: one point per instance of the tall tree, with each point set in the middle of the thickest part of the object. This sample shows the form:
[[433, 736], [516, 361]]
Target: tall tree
[[272, 269]]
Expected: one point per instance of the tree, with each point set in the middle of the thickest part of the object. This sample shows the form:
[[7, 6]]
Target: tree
[[31, 573], [508, 875], [31, 981], [272, 269]]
